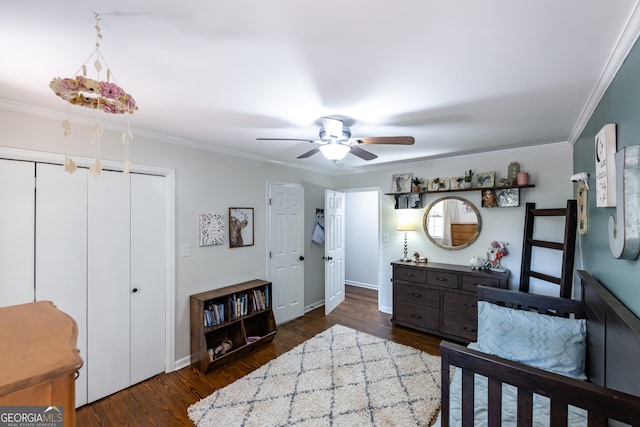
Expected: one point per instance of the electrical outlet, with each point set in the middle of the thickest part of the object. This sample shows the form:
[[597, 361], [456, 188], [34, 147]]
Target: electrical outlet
[[385, 237]]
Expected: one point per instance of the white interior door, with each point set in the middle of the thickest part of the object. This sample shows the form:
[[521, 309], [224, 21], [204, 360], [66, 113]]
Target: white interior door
[[334, 214], [147, 276], [109, 288], [286, 250], [61, 251], [16, 232]]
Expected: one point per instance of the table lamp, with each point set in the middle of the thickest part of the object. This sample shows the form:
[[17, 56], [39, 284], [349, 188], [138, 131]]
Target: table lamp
[[405, 223]]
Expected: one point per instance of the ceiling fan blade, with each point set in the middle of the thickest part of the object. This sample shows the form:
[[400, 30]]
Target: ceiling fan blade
[[309, 153], [363, 154], [397, 140], [284, 139], [333, 127]]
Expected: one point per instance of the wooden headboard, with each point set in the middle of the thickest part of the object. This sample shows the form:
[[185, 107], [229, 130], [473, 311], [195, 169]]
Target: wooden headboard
[[613, 341]]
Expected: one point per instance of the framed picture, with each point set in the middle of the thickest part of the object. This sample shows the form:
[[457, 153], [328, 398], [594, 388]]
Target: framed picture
[[401, 183], [211, 229], [438, 184], [484, 179], [240, 227]]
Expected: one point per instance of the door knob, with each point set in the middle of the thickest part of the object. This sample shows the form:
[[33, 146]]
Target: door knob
[[134, 290], [327, 258], [301, 258]]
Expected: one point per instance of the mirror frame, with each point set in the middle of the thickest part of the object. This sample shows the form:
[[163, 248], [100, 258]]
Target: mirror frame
[[440, 245]]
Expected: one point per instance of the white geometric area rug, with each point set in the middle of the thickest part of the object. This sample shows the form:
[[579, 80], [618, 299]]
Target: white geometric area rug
[[340, 377]]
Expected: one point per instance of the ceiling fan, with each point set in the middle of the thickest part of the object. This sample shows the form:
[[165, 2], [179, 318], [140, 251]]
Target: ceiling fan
[[335, 141]]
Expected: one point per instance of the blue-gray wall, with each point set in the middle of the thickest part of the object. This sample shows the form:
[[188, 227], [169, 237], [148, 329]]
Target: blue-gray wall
[[620, 105]]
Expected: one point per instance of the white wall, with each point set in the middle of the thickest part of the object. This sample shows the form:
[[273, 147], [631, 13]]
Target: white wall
[[205, 182], [549, 168], [361, 238]]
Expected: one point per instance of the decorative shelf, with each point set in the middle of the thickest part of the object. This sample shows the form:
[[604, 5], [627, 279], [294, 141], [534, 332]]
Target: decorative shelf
[[505, 187], [398, 196]]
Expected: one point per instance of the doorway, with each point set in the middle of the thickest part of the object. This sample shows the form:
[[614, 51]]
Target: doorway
[[362, 238]]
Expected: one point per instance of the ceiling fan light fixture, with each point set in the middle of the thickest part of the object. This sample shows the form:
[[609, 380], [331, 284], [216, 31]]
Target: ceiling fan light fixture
[[335, 151]]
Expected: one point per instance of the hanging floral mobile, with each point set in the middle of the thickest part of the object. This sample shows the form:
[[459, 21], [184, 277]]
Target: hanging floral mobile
[[105, 96]]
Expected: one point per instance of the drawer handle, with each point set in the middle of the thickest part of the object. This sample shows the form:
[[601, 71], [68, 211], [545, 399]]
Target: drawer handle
[[408, 274], [416, 295], [415, 316], [469, 305], [470, 329]]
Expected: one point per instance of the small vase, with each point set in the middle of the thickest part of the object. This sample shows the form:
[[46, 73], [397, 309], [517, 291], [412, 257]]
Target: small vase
[[523, 178], [465, 185]]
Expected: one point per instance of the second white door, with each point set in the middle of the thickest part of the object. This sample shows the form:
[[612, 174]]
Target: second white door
[[333, 249]]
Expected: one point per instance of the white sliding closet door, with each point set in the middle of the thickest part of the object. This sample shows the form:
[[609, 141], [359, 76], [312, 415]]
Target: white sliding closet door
[[108, 289], [16, 232], [147, 276], [61, 250]]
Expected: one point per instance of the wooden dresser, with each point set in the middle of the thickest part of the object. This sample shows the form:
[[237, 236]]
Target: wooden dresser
[[39, 357], [440, 298]]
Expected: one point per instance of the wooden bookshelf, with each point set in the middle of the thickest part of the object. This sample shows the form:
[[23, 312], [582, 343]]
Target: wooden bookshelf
[[235, 313]]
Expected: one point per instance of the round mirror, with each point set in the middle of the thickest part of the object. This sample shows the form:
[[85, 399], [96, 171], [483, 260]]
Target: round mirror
[[452, 223]]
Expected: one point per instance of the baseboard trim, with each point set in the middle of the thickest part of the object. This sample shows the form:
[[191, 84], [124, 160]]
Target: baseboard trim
[[361, 285], [182, 363], [313, 306]]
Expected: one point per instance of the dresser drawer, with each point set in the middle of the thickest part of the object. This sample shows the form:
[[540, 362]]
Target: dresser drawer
[[471, 283], [408, 274], [456, 302], [459, 325], [440, 278], [417, 315], [416, 295]]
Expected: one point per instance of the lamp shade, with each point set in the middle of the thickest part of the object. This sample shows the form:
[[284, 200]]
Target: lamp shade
[[406, 223], [334, 151]]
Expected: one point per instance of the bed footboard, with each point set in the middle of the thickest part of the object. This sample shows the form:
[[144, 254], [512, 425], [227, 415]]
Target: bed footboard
[[601, 403]]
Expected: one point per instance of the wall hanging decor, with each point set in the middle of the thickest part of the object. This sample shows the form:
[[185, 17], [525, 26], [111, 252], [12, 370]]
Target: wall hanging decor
[[582, 207], [401, 183], [100, 95], [624, 226], [605, 151], [211, 229], [240, 227]]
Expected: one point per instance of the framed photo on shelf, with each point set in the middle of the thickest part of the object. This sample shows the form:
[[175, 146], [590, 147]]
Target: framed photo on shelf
[[484, 179], [439, 184], [401, 183], [240, 227]]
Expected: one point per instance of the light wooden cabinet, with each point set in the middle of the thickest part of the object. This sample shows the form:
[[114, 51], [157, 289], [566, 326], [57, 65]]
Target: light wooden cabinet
[[39, 357], [241, 314], [440, 298]]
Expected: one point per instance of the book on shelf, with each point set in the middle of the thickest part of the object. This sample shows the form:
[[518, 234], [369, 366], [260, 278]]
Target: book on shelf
[[260, 299], [239, 305], [213, 314]]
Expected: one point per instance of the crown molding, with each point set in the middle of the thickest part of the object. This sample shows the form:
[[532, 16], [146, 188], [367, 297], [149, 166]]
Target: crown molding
[[621, 50]]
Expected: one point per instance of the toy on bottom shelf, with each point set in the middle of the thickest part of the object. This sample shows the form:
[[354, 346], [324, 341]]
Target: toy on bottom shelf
[[224, 346], [252, 339]]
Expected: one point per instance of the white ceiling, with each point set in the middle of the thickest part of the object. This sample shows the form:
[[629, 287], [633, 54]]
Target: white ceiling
[[460, 76]]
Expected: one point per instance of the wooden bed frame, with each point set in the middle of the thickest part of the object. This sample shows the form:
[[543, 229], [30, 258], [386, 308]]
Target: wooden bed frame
[[613, 365]]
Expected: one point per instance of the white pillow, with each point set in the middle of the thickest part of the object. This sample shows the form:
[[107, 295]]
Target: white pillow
[[556, 344]]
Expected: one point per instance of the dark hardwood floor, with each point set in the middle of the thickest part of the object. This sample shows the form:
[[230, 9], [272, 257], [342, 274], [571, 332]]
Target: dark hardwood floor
[[163, 400]]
